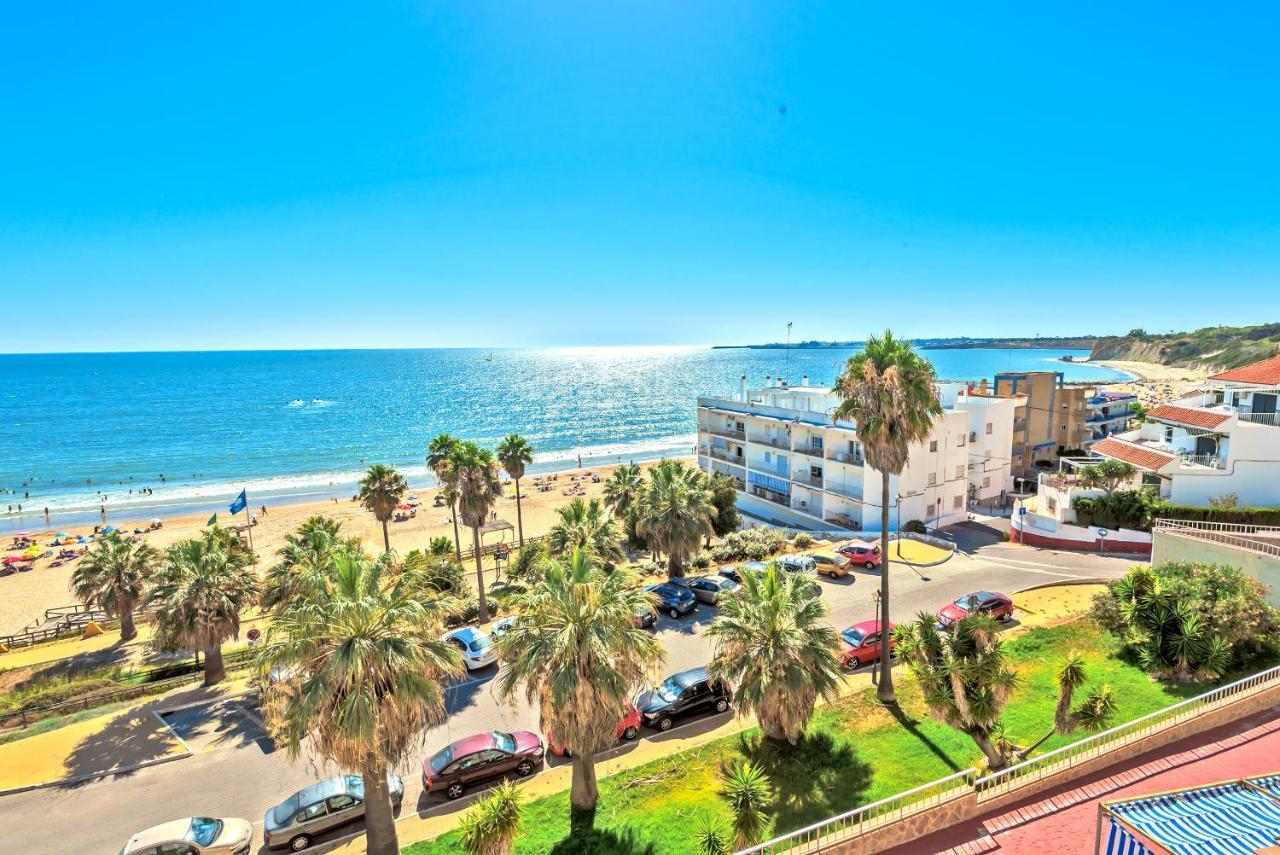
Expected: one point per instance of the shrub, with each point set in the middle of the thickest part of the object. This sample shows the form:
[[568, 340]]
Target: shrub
[[702, 560], [753, 544], [914, 527], [1190, 621], [527, 561], [1241, 516], [802, 540], [1132, 509]]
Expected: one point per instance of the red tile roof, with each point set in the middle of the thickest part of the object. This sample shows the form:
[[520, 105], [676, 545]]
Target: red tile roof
[[1264, 373], [1189, 416], [1138, 455]]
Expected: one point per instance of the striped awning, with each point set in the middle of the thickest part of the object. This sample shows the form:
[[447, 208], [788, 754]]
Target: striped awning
[[769, 482], [1233, 818]]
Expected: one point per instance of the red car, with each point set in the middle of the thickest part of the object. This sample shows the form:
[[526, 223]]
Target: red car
[[995, 604], [865, 643], [469, 761], [628, 729], [861, 553]]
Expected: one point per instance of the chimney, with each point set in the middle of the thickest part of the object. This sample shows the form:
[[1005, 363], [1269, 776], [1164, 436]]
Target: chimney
[[782, 383], [768, 380], [804, 380], [742, 385]]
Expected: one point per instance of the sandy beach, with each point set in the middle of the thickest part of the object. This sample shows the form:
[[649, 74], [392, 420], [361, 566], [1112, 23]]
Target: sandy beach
[[1156, 384], [25, 596]]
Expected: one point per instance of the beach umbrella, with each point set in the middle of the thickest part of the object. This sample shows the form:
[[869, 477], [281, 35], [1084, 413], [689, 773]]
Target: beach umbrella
[[62, 534], [404, 507], [109, 529], [22, 534]]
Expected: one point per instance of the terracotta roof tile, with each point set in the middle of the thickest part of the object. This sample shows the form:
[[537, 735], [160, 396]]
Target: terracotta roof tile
[[1189, 416], [1264, 373], [1140, 456]]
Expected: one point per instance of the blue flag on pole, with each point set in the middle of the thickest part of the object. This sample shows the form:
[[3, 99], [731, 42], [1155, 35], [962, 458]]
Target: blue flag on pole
[[239, 504]]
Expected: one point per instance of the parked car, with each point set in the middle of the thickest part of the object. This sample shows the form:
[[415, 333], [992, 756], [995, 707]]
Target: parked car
[[801, 563], [469, 761], [628, 728], [735, 573], [681, 695], [673, 599], [647, 618], [476, 646], [195, 835], [862, 553], [502, 627], [995, 604], [865, 643], [830, 563], [296, 821], [709, 589]]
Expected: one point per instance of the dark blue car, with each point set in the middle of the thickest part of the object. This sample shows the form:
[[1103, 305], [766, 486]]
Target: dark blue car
[[673, 599]]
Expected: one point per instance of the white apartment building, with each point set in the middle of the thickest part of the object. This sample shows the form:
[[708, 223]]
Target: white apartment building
[[796, 467], [1220, 441]]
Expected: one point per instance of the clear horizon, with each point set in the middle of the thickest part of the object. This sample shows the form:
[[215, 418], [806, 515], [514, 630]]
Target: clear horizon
[[248, 177]]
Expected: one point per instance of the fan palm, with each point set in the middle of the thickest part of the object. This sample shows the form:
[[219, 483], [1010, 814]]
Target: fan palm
[[381, 489], [578, 654], [676, 512], [370, 670], [305, 561], [199, 595], [622, 490], [887, 390], [774, 646], [479, 489], [440, 462], [587, 526], [113, 576], [515, 453]]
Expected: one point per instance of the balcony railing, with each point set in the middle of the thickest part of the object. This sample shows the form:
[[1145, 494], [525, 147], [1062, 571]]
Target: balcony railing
[[730, 433], [807, 479], [1211, 461], [846, 457], [810, 451], [775, 441], [1272, 419], [843, 490], [1257, 538], [777, 498], [843, 520], [727, 457]]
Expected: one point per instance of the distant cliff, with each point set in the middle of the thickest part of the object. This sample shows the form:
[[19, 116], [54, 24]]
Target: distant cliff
[[1062, 343], [1216, 348]]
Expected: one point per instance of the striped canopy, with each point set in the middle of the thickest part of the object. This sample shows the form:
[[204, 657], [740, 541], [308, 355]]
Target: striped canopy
[[1230, 818]]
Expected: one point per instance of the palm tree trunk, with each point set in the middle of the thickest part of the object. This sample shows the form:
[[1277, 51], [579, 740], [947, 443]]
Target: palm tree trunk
[[214, 669], [386, 538], [128, 632], [884, 689], [1026, 752], [519, 516], [583, 793], [457, 541], [380, 823], [995, 760], [475, 546]]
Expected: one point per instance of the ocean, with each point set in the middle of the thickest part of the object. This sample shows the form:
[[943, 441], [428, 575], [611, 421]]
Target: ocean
[[85, 430]]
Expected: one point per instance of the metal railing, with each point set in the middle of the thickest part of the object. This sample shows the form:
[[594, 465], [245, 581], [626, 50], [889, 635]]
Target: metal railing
[[1231, 534], [810, 451], [1052, 762], [1210, 461], [842, 490], [728, 433], [807, 479], [814, 838], [782, 442], [846, 457], [1272, 419], [727, 457]]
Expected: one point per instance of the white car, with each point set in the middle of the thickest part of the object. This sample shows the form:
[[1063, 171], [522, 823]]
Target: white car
[[502, 627], [476, 646], [196, 835]]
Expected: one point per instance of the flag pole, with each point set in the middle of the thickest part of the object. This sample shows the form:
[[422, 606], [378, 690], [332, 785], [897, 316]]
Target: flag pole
[[248, 522]]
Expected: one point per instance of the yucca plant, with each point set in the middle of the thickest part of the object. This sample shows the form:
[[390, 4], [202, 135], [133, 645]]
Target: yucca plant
[[490, 826], [746, 790]]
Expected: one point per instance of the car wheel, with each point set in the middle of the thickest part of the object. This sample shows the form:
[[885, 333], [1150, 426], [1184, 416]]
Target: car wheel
[[665, 723], [524, 768], [455, 790], [299, 843], [722, 705], [870, 565], [1006, 617], [833, 574], [630, 733], [674, 613]]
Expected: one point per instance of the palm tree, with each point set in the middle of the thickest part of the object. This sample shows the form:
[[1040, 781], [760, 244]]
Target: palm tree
[[305, 561], [112, 578], [479, 488], [964, 676], [675, 512], [440, 462], [587, 526], [1093, 713], [199, 595], [515, 453], [370, 673], [577, 652], [622, 489], [888, 392], [747, 792], [774, 646], [491, 825], [381, 490]]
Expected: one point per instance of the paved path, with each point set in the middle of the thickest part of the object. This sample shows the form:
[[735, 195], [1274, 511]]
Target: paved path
[[234, 772], [1066, 818]]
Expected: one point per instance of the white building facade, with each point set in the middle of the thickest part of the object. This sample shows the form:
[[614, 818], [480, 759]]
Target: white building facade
[[1225, 440], [796, 467]]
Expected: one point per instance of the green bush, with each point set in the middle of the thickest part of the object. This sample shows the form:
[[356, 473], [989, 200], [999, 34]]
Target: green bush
[[702, 560], [1240, 516], [1132, 509], [914, 527], [802, 540], [753, 544], [525, 565]]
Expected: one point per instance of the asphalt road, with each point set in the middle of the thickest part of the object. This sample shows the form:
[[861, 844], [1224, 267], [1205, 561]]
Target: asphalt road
[[236, 771]]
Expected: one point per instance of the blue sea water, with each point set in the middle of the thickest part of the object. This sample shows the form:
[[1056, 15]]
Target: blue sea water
[[78, 427]]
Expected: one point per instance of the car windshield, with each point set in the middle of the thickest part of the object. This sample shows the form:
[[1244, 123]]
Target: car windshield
[[441, 759], [967, 602], [480, 642], [505, 741], [282, 812], [203, 830], [728, 584], [853, 636], [670, 690]]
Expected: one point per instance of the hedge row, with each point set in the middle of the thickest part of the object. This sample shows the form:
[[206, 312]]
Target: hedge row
[[1240, 516]]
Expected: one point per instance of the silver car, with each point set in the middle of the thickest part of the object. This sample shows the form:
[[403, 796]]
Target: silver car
[[709, 589], [320, 807]]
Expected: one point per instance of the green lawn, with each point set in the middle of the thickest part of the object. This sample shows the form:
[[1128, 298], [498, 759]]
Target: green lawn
[[855, 752]]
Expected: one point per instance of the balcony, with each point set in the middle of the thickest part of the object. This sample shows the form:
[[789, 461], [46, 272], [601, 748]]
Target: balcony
[[847, 458], [727, 432], [1201, 461], [1243, 414], [718, 454], [1019, 425], [782, 442], [807, 479], [812, 507], [844, 521], [777, 498], [809, 451], [844, 490]]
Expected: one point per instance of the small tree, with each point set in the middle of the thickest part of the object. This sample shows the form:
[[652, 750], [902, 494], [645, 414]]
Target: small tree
[[724, 497], [515, 453], [675, 512], [1093, 713], [113, 577], [1108, 475], [1227, 501], [588, 526], [381, 490], [712, 839], [490, 826], [746, 790]]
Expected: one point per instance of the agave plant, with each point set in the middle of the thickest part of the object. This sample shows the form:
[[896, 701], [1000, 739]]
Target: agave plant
[[746, 790]]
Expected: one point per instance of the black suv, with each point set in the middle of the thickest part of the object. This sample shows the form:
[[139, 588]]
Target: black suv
[[673, 599], [680, 695]]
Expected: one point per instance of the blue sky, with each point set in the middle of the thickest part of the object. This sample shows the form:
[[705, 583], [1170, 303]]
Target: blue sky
[[244, 175]]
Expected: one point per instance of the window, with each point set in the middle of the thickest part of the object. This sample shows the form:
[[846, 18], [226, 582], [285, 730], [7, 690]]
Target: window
[[309, 813], [957, 502], [989, 426], [933, 479], [1053, 504], [768, 457], [986, 480], [1064, 427], [1168, 434], [933, 446], [960, 440], [342, 802], [959, 471]]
